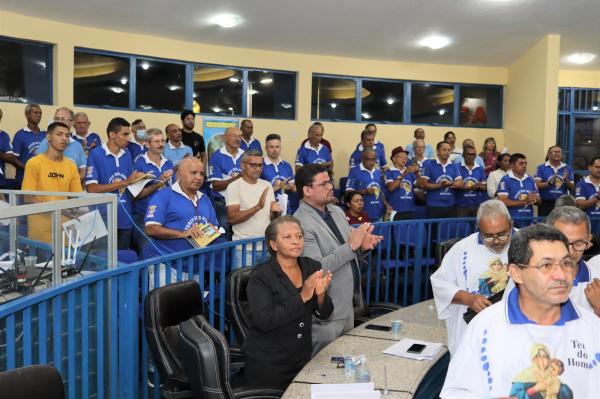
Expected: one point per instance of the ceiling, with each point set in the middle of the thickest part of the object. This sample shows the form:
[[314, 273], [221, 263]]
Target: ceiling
[[484, 32]]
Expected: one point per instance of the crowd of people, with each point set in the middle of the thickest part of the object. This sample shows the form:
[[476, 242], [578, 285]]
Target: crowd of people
[[315, 255]]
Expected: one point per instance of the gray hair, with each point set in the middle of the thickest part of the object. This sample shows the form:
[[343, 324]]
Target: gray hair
[[492, 207], [30, 107], [153, 131], [519, 251], [565, 200], [569, 215], [80, 114], [251, 153], [69, 110], [417, 141], [273, 229]]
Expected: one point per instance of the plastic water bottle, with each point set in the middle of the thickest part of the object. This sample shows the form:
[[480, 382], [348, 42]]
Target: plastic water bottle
[[349, 368], [363, 374]]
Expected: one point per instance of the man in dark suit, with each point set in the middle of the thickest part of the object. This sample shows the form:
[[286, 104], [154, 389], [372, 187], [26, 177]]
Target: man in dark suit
[[329, 239]]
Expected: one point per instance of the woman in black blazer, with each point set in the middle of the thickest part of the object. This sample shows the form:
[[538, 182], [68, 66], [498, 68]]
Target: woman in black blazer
[[283, 295]]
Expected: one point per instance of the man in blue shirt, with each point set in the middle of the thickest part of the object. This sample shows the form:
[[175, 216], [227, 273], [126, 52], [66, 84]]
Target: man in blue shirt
[[279, 172], [518, 191], [223, 169], [367, 141], [553, 178], [587, 193], [419, 134], [473, 191], [366, 179], [175, 150], [26, 141], [313, 151], [459, 158], [136, 147], [6, 155], [110, 170], [74, 150], [400, 181], [87, 139], [439, 179], [248, 142]]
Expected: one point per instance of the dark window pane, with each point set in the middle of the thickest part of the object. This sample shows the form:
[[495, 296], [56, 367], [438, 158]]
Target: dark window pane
[[564, 99], [217, 90], [160, 85], [25, 72], [481, 106], [587, 141], [432, 104], [382, 101], [587, 100], [333, 98], [101, 80], [271, 94]]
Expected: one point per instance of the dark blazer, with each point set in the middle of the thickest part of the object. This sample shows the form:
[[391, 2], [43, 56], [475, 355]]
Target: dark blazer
[[280, 323]]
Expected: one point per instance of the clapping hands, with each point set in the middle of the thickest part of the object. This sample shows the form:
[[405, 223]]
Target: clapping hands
[[316, 283]]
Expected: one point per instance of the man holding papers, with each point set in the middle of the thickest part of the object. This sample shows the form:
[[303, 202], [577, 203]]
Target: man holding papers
[[473, 270], [535, 343]]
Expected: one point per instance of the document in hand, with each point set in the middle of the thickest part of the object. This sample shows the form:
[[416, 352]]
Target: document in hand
[[401, 347], [344, 391], [209, 234], [136, 187]]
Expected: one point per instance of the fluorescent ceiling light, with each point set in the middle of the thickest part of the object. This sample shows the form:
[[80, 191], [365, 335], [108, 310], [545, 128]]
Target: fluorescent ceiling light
[[442, 111], [434, 42], [117, 90], [252, 92], [333, 105], [217, 109], [230, 108], [226, 20], [266, 81], [174, 87], [234, 80], [581, 58], [366, 115], [286, 105], [145, 66], [390, 101], [145, 106], [123, 81]]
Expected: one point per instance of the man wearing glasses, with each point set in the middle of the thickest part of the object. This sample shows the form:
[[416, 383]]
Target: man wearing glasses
[[474, 269], [536, 342], [250, 202]]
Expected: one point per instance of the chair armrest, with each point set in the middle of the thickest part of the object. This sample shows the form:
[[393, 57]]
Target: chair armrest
[[257, 393], [237, 358], [384, 306]]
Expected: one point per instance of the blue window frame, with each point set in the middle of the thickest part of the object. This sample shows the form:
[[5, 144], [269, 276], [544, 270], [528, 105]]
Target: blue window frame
[[25, 71], [392, 101]]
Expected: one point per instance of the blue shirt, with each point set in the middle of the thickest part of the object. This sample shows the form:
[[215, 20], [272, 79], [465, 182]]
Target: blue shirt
[[136, 149], [468, 198], [176, 154], [252, 145], [91, 141], [517, 189], [412, 161], [546, 172], [144, 164], [478, 160], [25, 145], [428, 151], [435, 172], [103, 167], [74, 152], [280, 171], [360, 178], [5, 147], [379, 151], [401, 199], [173, 209], [586, 190], [307, 154], [223, 166]]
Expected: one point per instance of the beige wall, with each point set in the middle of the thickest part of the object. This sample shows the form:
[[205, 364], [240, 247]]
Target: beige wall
[[574, 78], [530, 101]]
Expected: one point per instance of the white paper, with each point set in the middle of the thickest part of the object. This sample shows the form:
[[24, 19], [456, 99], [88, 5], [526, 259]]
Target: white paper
[[283, 203], [344, 391], [136, 188], [400, 348], [89, 226]]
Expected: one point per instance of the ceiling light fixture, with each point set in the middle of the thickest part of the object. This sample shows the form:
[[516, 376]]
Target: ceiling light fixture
[[286, 105], [217, 109], [434, 42], [226, 20], [123, 81], [390, 101], [174, 87], [333, 105], [266, 81], [366, 115], [234, 80], [145, 66], [581, 58], [442, 111], [117, 90], [252, 92]]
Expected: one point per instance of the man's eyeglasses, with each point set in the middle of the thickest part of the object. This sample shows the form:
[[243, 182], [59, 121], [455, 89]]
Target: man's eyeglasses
[[490, 238], [254, 165], [324, 184], [567, 265], [580, 245]]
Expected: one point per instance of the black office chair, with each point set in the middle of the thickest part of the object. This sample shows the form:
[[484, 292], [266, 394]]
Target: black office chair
[[206, 363], [442, 249], [236, 302], [164, 309], [364, 313], [39, 382]]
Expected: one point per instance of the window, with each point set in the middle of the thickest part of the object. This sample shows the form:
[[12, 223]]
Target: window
[[101, 80], [432, 103], [160, 85], [271, 94], [217, 90], [333, 98], [382, 101], [481, 106], [25, 72]]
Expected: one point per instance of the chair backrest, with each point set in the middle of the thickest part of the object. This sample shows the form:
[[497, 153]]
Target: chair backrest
[[443, 249], [236, 302], [39, 382], [205, 356], [164, 309]]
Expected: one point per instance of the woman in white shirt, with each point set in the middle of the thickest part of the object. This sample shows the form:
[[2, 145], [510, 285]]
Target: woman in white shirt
[[494, 178]]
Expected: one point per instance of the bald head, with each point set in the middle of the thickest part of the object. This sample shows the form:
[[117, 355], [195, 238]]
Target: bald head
[[190, 174]]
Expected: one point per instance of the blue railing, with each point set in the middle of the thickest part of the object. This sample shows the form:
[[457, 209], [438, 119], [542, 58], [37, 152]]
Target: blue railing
[[91, 329]]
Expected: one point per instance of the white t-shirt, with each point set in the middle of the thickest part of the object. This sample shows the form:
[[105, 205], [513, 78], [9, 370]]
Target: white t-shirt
[[468, 266], [246, 195], [504, 354]]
